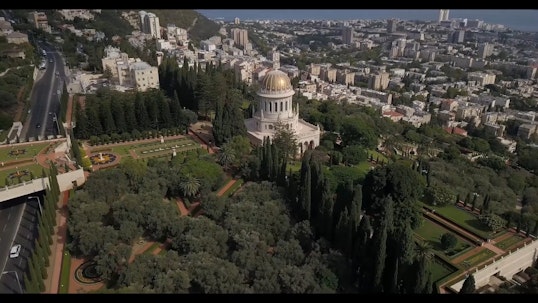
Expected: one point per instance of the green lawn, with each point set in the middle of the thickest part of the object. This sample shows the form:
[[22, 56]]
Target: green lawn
[[65, 272], [34, 169], [509, 242], [150, 249], [3, 134], [478, 258], [432, 233], [377, 155], [465, 219], [27, 151], [144, 150], [294, 166], [440, 270]]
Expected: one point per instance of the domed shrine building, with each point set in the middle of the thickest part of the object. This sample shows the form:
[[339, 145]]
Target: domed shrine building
[[275, 104]]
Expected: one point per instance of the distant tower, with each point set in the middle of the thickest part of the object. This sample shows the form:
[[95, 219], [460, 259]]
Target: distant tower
[[391, 26], [236, 20], [443, 15], [274, 56], [347, 35]]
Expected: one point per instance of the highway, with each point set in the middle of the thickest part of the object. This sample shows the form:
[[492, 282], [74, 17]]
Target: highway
[[45, 97], [18, 225]]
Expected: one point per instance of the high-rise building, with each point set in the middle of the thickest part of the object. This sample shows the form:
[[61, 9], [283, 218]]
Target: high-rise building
[[391, 26], [240, 36], [485, 50], [347, 35], [457, 36], [236, 20], [443, 15], [149, 24]]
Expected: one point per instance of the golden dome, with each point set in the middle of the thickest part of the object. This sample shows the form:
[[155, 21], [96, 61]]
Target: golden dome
[[276, 81]]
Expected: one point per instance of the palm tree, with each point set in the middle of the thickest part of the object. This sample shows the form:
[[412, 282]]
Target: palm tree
[[423, 251], [189, 185], [423, 256], [226, 156]]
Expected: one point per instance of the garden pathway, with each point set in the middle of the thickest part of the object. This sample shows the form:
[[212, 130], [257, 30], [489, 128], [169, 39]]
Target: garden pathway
[[58, 242], [226, 187]]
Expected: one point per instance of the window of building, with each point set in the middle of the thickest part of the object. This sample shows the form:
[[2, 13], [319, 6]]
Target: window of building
[[286, 105], [276, 106], [270, 107], [270, 126], [281, 103]]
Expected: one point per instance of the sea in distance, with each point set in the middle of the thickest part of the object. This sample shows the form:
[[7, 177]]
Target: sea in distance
[[515, 19]]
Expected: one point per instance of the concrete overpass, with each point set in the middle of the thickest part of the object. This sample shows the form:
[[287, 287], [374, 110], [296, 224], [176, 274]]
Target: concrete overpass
[[66, 181]]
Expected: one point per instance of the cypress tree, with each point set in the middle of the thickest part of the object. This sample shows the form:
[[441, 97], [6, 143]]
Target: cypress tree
[[28, 286], [325, 222], [360, 244], [343, 235], [275, 166], [535, 232], [420, 274], [356, 208], [380, 243], [473, 203], [428, 288], [467, 200], [468, 286], [307, 194], [457, 199], [34, 277]]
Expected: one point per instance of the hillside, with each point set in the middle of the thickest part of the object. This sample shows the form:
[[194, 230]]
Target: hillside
[[198, 26]]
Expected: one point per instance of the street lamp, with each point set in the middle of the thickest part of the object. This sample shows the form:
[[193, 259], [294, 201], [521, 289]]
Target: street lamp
[[16, 276], [38, 203]]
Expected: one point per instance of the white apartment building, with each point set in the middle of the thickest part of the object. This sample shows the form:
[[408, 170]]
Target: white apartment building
[[129, 72], [177, 34], [70, 14], [144, 76], [149, 24], [481, 78]]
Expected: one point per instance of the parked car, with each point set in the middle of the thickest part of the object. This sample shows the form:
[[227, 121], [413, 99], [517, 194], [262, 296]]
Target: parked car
[[38, 125], [15, 251]]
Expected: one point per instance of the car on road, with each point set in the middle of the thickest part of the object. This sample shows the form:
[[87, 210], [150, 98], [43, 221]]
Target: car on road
[[38, 125], [15, 251]]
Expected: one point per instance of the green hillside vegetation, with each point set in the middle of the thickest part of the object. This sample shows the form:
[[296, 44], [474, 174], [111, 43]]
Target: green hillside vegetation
[[198, 26]]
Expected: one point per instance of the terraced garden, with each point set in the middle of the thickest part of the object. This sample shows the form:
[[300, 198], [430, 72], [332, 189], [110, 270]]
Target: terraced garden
[[148, 150], [432, 232]]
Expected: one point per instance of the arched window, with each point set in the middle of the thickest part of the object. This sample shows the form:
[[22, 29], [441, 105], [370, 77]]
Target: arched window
[[281, 106], [270, 126], [270, 107]]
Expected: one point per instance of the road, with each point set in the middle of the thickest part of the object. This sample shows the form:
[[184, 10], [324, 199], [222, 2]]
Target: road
[[19, 221], [45, 97]]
